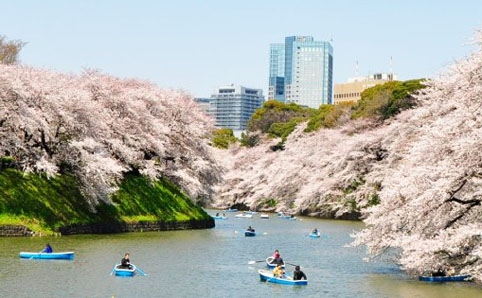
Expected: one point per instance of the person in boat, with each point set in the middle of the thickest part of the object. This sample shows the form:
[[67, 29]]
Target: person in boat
[[48, 249], [217, 214], [126, 261], [439, 272], [451, 271], [250, 229], [298, 274], [277, 259], [278, 271], [315, 231]]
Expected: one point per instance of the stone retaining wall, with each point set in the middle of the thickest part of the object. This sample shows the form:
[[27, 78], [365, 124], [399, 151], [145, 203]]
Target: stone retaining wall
[[14, 231], [114, 227]]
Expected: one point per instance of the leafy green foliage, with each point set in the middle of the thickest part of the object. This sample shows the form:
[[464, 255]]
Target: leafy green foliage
[[381, 102], [374, 200], [328, 116], [283, 129], [223, 137], [386, 100], [269, 202], [354, 185], [249, 139], [7, 162], [274, 111]]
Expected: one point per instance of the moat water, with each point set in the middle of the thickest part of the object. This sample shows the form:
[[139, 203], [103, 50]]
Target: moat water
[[212, 263]]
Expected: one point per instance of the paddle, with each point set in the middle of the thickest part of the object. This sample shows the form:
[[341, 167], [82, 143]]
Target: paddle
[[293, 265], [253, 262], [112, 271], [34, 255], [141, 271]]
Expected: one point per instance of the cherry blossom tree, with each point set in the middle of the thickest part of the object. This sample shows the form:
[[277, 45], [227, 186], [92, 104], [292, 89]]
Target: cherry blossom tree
[[431, 201], [416, 179], [98, 127]]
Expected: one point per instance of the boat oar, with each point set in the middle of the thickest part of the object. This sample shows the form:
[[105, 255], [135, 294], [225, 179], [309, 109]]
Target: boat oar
[[140, 271], [112, 271], [293, 265], [253, 262], [34, 255]]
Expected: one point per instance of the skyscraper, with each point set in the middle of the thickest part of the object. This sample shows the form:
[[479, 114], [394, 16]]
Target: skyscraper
[[306, 77], [277, 72]]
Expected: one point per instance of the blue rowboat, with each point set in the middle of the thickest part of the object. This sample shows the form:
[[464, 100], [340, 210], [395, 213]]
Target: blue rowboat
[[231, 210], [249, 233], [444, 278], [219, 217], [67, 255], [272, 266], [315, 235], [286, 216], [267, 275], [122, 271]]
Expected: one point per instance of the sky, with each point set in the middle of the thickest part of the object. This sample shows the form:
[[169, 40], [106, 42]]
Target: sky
[[196, 46]]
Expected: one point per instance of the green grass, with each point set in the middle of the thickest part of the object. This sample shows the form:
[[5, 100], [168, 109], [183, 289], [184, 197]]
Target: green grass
[[44, 204], [166, 202]]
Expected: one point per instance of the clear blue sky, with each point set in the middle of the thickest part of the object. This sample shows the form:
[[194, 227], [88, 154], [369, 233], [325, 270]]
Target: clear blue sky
[[199, 45]]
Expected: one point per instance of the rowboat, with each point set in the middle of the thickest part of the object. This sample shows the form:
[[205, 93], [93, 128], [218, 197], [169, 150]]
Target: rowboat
[[249, 233], [271, 266], [267, 275], [122, 271], [444, 278], [67, 255], [244, 215], [315, 235], [231, 210], [286, 216], [264, 216], [219, 217]]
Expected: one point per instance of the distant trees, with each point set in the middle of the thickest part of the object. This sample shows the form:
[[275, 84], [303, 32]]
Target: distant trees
[[279, 120], [9, 50], [275, 112], [223, 137], [388, 99]]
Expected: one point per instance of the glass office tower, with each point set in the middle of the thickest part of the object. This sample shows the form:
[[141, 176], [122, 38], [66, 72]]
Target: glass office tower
[[277, 72], [308, 71]]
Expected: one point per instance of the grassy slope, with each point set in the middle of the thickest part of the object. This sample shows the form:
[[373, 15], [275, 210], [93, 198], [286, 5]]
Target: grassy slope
[[46, 204]]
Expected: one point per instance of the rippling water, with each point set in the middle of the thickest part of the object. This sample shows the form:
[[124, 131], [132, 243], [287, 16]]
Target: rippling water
[[212, 263]]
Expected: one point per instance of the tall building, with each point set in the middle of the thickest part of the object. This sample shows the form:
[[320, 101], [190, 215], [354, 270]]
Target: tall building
[[351, 91], [277, 72], [232, 106], [306, 77]]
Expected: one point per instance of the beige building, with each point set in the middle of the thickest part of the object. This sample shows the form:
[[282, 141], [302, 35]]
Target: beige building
[[351, 91]]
